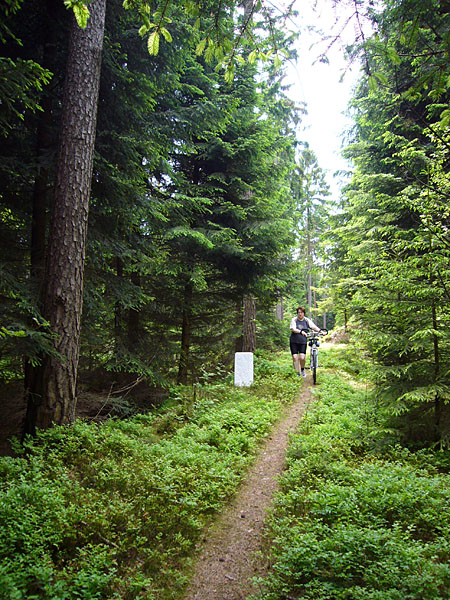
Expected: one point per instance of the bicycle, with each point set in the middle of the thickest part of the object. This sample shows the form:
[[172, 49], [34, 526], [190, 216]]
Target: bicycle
[[314, 343]]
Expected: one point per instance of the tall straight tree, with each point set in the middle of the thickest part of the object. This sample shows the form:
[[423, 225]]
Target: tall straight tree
[[395, 230], [52, 385], [310, 191]]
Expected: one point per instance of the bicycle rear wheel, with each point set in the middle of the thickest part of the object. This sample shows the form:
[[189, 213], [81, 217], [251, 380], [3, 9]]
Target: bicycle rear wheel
[[314, 361]]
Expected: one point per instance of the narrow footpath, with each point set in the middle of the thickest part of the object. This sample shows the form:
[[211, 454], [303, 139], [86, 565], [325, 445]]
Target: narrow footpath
[[231, 553]]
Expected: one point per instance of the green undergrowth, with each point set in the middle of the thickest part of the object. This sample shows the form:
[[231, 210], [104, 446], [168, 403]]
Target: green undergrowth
[[355, 520], [347, 359], [114, 510]]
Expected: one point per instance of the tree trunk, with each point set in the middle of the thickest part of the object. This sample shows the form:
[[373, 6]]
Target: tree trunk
[[44, 143], [183, 366], [40, 197], [52, 391], [239, 341], [309, 263], [133, 318], [437, 400], [314, 311], [280, 309], [118, 310], [249, 324], [38, 222]]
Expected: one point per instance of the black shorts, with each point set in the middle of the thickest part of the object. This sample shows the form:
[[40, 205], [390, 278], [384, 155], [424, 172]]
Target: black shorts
[[298, 347]]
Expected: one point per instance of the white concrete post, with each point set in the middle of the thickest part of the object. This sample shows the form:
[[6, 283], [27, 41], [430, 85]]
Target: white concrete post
[[243, 368]]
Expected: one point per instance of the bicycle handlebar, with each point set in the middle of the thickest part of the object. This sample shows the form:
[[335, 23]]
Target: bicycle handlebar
[[322, 331]]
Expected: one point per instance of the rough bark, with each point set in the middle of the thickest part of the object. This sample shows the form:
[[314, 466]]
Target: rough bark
[[249, 324], [239, 341], [133, 318], [42, 184], [52, 392], [40, 197], [118, 309]]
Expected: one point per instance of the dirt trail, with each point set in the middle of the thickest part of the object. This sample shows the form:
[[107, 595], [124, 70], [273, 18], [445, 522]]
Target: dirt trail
[[229, 556]]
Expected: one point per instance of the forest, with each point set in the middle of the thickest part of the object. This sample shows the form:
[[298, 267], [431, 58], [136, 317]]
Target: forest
[[159, 211]]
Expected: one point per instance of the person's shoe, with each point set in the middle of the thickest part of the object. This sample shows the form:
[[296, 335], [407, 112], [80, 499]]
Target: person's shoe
[[298, 374], [303, 374]]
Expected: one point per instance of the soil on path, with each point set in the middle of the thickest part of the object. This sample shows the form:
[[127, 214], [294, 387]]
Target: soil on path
[[231, 554]]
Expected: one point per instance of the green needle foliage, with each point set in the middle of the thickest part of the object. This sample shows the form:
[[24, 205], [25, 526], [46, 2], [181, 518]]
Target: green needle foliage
[[115, 510], [190, 204], [21, 79], [353, 522], [391, 239]]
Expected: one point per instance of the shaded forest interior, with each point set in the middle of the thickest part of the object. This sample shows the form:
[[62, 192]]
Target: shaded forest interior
[[157, 204]]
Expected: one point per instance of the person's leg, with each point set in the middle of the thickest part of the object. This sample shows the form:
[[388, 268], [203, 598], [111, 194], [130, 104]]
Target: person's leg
[[302, 360], [294, 353], [296, 363]]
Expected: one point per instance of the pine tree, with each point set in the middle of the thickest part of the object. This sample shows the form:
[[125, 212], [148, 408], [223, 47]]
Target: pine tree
[[395, 259], [52, 384]]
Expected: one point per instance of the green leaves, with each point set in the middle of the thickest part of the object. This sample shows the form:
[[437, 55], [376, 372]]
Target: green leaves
[[394, 243], [201, 46], [166, 35], [81, 13], [80, 10], [252, 57], [153, 43], [127, 500], [378, 76], [155, 36], [445, 118], [4, 332], [393, 55], [157, 28], [20, 84], [229, 74], [354, 522], [190, 234], [277, 61], [227, 56]]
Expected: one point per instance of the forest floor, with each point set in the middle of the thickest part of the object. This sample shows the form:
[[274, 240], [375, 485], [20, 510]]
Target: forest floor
[[232, 553], [13, 410], [12, 415]]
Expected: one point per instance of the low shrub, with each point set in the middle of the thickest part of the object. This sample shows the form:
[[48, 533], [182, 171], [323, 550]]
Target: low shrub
[[114, 510], [354, 522]]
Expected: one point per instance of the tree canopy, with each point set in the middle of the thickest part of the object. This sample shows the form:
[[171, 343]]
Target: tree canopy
[[192, 203], [186, 190], [391, 239]]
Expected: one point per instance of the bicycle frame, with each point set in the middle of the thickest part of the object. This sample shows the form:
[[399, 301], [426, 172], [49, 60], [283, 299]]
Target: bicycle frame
[[314, 343]]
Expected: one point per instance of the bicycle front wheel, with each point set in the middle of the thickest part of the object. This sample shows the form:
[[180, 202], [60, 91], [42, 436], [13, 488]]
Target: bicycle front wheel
[[314, 365]]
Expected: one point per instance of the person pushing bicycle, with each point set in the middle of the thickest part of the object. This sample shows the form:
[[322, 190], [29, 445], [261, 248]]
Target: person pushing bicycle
[[298, 340]]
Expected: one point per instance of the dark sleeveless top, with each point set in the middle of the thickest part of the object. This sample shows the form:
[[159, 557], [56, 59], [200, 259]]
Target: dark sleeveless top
[[299, 338]]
